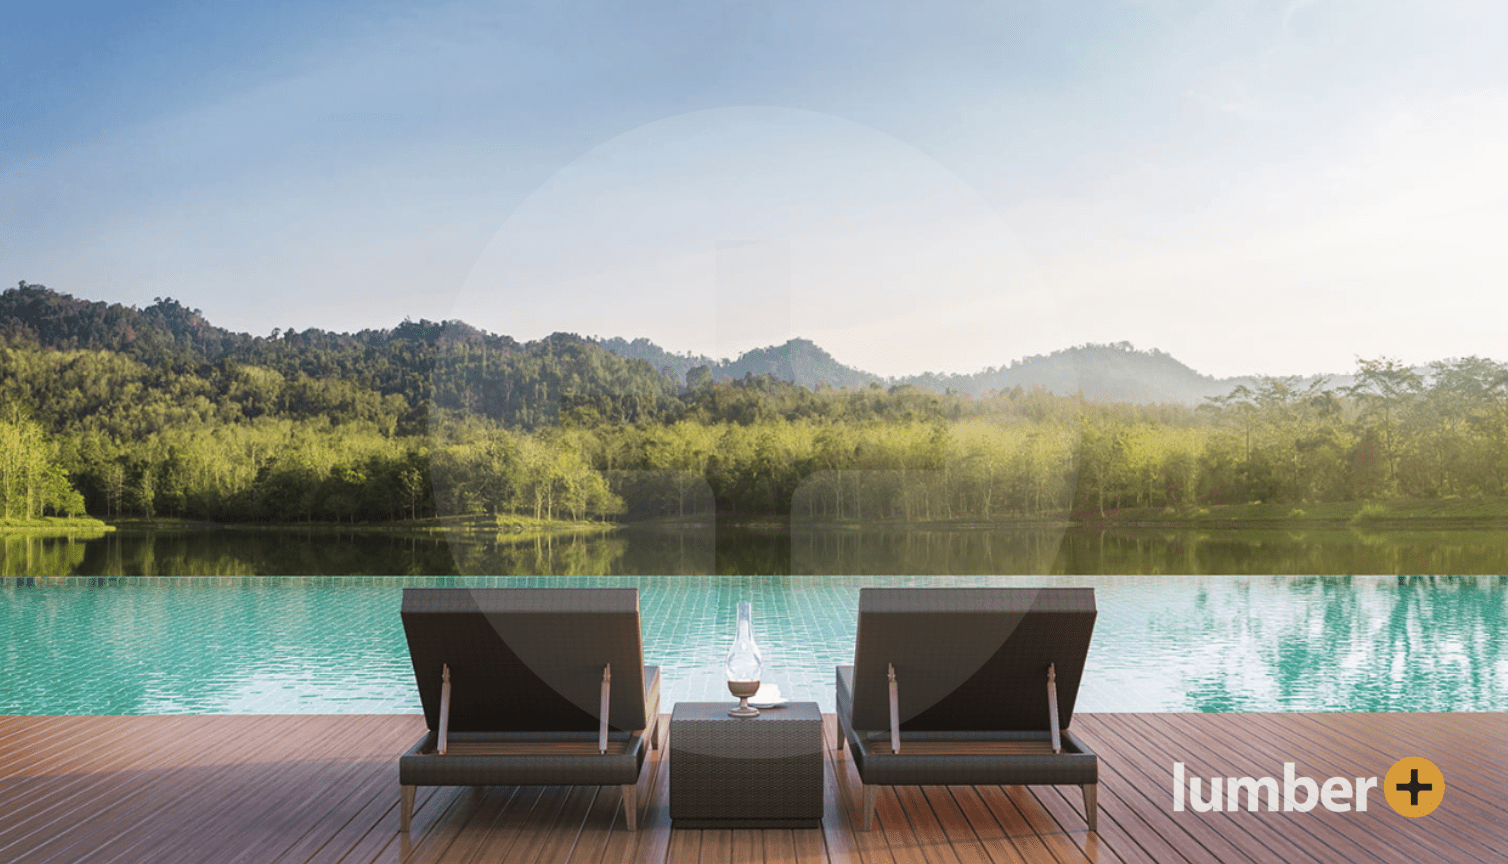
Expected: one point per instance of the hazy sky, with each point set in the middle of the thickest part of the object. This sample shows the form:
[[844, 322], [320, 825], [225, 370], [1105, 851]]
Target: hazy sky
[[1251, 186]]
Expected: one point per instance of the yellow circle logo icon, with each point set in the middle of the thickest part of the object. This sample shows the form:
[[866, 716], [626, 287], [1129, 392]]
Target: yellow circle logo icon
[[1414, 786]]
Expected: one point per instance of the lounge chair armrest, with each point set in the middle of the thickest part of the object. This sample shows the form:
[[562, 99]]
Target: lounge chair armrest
[[1052, 708], [607, 690], [895, 711], [444, 729]]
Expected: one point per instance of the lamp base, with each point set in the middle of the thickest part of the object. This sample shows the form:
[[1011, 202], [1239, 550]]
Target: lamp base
[[744, 709]]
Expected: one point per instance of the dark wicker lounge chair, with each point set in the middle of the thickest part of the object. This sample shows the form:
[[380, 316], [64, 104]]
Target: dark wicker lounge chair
[[967, 686], [529, 686]]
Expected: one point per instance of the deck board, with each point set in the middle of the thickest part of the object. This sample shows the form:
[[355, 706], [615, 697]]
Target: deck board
[[323, 790]]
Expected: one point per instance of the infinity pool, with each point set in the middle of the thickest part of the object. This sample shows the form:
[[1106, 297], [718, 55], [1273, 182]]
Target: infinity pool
[[315, 645]]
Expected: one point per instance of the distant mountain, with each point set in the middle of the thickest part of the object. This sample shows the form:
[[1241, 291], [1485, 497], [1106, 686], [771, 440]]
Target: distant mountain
[[1110, 373], [670, 365], [799, 361], [34, 316], [1105, 373]]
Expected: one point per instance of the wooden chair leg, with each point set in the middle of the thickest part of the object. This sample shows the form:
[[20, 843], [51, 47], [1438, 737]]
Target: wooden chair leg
[[631, 806], [866, 807], [405, 808], [1091, 805]]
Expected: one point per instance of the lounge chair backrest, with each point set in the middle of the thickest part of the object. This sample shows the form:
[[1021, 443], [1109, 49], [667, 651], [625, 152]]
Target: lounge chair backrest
[[527, 659], [970, 659]]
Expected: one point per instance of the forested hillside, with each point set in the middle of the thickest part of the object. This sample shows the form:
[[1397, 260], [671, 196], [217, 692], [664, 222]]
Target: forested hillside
[[1104, 373], [157, 412], [799, 361]]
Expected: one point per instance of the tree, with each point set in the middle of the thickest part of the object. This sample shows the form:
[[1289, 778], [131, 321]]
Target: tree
[[32, 482], [1386, 389]]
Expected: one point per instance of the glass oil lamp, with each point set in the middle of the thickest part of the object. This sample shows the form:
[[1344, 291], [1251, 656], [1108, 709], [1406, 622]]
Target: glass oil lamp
[[744, 664]]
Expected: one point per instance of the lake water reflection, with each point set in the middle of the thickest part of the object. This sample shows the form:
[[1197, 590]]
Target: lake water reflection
[[767, 550]]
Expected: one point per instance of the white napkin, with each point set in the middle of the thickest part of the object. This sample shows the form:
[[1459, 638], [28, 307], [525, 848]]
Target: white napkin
[[768, 696]]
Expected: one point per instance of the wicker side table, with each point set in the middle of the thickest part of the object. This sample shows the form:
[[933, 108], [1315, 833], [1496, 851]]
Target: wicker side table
[[759, 772]]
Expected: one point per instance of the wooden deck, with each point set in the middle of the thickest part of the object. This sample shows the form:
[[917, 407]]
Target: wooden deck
[[231, 789]]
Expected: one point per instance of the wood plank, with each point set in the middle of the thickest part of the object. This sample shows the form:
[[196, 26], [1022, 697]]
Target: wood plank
[[779, 845], [747, 845], [23, 742], [495, 834], [454, 808], [1446, 739], [320, 790], [1138, 797], [870, 846], [685, 846], [468, 823], [555, 846], [362, 823], [370, 835], [891, 822], [1159, 749], [242, 808], [955, 826], [1042, 824], [650, 844], [358, 787], [1109, 842], [80, 752], [52, 779], [1443, 833], [992, 836], [520, 831], [1257, 751], [311, 786], [1091, 846], [840, 843], [926, 828], [810, 846], [14, 725], [717, 846], [598, 824], [163, 779]]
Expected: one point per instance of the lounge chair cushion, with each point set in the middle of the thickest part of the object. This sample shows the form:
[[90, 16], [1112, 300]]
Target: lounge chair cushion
[[943, 758], [970, 659], [517, 659]]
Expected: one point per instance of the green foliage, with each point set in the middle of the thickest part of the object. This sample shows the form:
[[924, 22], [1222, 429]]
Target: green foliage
[[154, 412], [32, 482]]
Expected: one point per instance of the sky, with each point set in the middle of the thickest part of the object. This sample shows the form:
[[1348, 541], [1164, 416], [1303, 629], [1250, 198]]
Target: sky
[[1253, 187]]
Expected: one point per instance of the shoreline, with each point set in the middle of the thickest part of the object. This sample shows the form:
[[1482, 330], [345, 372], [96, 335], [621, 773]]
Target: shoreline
[[56, 526], [1398, 515]]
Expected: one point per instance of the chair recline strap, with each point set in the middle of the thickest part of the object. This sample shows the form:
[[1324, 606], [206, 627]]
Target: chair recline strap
[[444, 708], [444, 731], [607, 685], [1052, 708], [895, 712]]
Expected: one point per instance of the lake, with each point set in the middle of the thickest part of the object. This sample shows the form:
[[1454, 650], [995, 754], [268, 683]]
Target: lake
[[766, 550]]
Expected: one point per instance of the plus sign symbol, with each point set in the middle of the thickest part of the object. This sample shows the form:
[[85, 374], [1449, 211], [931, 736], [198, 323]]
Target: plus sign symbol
[[1414, 786]]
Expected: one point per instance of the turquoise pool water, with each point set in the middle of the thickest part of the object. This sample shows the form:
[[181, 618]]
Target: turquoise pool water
[[266, 644]]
